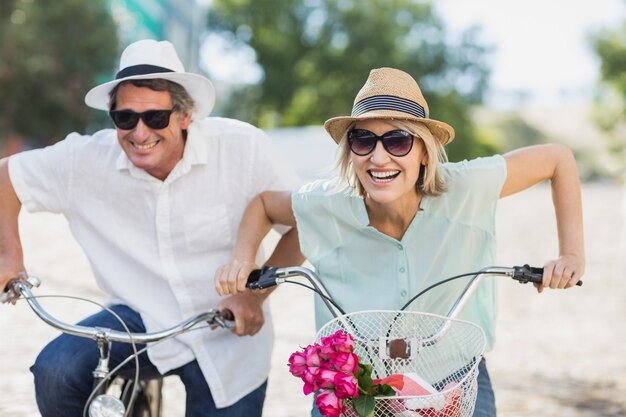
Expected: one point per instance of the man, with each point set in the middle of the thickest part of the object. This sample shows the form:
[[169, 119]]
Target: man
[[155, 204]]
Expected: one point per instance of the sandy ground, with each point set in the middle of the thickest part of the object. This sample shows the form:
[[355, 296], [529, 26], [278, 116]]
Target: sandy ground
[[561, 353]]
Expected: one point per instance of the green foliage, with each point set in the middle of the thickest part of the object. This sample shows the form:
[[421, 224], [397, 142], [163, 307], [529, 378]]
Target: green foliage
[[610, 45], [610, 112], [364, 404], [517, 133], [315, 55], [51, 53]]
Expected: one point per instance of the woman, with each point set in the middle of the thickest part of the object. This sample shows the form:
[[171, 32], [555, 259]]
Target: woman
[[400, 218]]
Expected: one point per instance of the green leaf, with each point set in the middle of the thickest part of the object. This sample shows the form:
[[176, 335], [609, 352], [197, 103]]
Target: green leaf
[[364, 405], [365, 383], [361, 370], [383, 390]]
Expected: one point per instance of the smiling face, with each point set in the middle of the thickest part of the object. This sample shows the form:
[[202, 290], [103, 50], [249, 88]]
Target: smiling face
[[157, 151], [388, 179]]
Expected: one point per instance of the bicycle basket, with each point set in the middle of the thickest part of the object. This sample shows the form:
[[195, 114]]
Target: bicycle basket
[[404, 342]]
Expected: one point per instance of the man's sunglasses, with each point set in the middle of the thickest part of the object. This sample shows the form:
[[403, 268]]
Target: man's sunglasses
[[154, 119], [397, 142]]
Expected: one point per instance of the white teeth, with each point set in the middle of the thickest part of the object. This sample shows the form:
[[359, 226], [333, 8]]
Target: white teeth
[[384, 175], [146, 146]]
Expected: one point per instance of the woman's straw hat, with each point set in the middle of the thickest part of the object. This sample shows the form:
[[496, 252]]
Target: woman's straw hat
[[150, 59], [390, 94]]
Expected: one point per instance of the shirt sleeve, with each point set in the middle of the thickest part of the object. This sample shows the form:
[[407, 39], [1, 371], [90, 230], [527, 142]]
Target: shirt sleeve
[[270, 170], [473, 189], [42, 177], [324, 217]]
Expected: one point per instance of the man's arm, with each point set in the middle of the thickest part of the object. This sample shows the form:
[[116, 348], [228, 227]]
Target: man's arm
[[11, 256]]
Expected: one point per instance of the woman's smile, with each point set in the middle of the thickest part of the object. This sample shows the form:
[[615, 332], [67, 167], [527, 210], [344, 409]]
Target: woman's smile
[[383, 176]]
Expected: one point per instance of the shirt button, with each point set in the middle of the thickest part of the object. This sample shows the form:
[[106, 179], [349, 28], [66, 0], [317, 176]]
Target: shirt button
[[402, 269], [400, 246], [403, 293]]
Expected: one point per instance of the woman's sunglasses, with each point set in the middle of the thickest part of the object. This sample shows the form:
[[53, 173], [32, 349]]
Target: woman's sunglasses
[[397, 142], [154, 119]]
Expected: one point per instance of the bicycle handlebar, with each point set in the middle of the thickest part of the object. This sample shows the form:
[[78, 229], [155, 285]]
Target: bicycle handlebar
[[21, 287], [269, 276]]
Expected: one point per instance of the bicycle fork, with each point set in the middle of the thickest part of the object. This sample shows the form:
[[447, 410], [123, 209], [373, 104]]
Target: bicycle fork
[[100, 403]]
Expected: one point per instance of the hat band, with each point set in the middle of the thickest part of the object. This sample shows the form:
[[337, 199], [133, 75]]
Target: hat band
[[388, 103], [142, 69]]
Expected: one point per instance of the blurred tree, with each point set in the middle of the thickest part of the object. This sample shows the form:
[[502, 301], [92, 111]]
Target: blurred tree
[[517, 132], [610, 114], [51, 53], [316, 54]]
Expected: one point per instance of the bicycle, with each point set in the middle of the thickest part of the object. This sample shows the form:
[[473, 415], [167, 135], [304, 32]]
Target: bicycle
[[114, 395], [441, 352]]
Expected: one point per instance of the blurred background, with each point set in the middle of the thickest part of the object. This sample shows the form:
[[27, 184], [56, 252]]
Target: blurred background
[[504, 73]]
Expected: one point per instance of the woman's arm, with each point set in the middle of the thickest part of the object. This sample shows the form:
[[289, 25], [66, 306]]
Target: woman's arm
[[529, 166], [265, 210]]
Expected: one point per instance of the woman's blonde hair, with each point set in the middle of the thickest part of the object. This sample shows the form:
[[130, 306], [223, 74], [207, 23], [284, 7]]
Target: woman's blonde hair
[[430, 181]]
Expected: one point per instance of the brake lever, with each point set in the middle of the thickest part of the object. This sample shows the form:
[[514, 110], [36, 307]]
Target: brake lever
[[10, 295]]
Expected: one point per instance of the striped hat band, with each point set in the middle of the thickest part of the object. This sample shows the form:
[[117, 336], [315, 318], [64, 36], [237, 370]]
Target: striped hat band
[[389, 103]]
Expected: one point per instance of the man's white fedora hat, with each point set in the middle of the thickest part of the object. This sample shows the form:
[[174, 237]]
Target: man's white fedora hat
[[149, 59]]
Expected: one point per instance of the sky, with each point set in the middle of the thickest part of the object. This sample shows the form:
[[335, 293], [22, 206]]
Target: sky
[[541, 45]]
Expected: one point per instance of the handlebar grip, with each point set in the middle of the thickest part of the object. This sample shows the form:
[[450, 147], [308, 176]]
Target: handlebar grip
[[226, 319], [262, 278], [525, 274]]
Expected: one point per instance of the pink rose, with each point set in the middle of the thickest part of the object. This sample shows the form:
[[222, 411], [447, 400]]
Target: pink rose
[[297, 364], [326, 378], [310, 380], [346, 386], [345, 362], [342, 342], [312, 356], [325, 349], [329, 405]]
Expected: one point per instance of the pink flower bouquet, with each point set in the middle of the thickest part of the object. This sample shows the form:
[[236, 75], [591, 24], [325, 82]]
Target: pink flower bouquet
[[332, 369]]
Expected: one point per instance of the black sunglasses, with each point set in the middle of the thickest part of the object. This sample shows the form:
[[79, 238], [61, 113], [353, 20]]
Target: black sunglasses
[[397, 142], [154, 119]]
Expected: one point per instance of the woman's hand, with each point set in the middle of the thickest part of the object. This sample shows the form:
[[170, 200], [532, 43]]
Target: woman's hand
[[231, 278], [562, 273]]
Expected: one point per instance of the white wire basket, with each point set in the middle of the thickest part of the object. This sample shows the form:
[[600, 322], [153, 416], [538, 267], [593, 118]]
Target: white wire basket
[[403, 342]]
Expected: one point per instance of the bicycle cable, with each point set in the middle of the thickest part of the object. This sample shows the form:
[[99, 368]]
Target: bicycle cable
[[469, 274], [318, 292]]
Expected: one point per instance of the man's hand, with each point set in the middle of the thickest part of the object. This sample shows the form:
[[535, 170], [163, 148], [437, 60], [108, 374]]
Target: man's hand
[[248, 311]]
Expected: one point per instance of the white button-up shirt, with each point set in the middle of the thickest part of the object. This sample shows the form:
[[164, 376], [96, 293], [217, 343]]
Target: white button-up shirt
[[155, 245]]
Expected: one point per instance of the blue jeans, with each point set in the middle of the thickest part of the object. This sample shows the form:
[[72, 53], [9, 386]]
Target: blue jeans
[[63, 373], [485, 401]]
